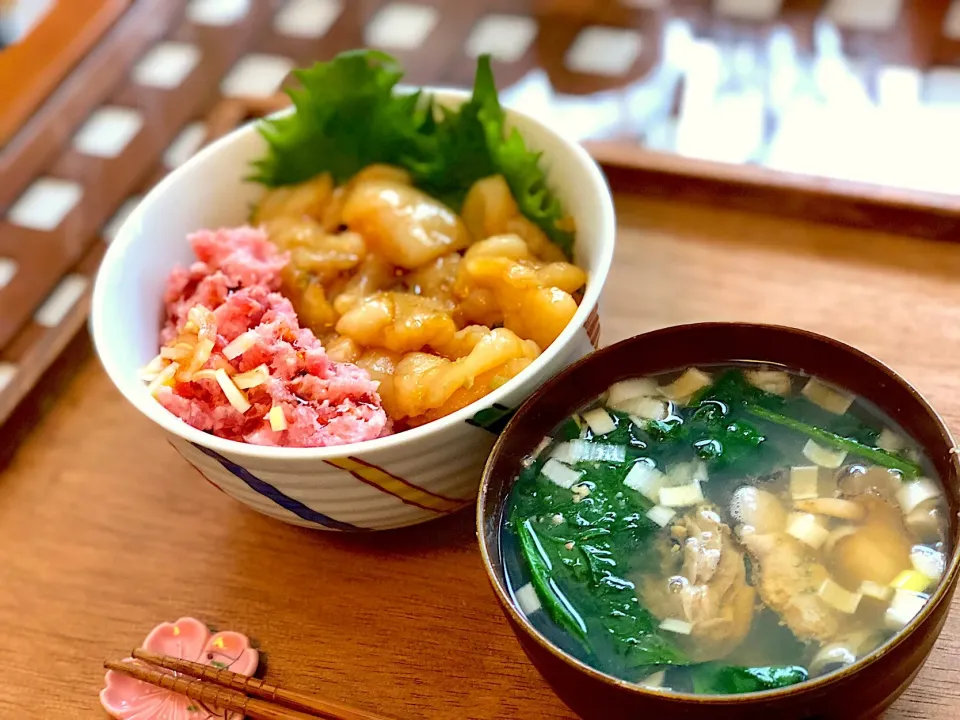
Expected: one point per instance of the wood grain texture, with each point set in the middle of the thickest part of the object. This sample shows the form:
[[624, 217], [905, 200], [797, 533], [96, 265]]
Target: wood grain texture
[[105, 531], [32, 68], [793, 195], [38, 142]]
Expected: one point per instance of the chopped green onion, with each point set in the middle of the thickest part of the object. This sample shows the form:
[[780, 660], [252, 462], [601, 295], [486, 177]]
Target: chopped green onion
[[905, 607], [646, 480], [805, 528], [928, 561], [527, 599], [912, 495], [675, 625], [824, 457], [561, 475], [575, 451], [661, 515], [883, 593], [629, 389], [599, 421], [831, 400], [681, 495], [839, 597], [804, 482]]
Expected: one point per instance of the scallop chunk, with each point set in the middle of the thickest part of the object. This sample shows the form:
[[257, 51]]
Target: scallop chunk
[[407, 226], [315, 251], [489, 209], [382, 365], [318, 266], [535, 298], [340, 348], [478, 306], [373, 275], [307, 199], [536, 239], [501, 246], [541, 316], [397, 321], [488, 206], [383, 172], [482, 385], [709, 591], [333, 215], [463, 342], [436, 280], [309, 298], [426, 382]]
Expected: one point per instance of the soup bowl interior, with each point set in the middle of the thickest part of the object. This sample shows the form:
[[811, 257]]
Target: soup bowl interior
[[859, 691], [209, 191]]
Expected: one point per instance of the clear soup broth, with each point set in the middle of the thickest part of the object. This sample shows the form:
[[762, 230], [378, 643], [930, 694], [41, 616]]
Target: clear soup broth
[[723, 530]]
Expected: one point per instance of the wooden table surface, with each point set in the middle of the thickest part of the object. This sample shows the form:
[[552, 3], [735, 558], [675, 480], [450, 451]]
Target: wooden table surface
[[105, 531]]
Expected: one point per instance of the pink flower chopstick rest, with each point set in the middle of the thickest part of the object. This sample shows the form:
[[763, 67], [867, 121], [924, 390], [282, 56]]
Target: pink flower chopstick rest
[[126, 698]]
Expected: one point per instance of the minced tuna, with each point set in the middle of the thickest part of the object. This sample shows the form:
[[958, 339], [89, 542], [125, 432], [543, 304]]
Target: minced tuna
[[245, 369]]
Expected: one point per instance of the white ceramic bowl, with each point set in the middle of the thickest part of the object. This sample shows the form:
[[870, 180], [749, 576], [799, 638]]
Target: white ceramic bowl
[[403, 479]]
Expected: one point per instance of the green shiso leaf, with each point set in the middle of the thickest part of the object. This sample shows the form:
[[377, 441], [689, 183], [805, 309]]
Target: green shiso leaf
[[348, 116]]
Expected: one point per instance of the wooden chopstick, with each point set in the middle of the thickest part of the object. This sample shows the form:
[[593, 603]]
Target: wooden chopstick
[[208, 694], [258, 688]]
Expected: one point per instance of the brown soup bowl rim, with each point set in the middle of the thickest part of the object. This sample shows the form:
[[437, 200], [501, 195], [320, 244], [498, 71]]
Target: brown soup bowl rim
[[648, 341]]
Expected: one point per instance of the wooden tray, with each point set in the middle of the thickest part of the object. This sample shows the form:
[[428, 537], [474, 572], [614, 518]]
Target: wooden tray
[[104, 531], [154, 76], [31, 69]]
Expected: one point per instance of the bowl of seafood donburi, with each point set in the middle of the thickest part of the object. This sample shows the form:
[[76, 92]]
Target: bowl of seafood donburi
[[331, 312]]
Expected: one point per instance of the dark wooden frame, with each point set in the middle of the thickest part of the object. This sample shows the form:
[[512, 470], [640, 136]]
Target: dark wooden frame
[[31, 69], [93, 63]]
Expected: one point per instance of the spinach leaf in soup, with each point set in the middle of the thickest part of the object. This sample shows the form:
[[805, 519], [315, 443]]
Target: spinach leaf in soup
[[580, 549], [713, 431], [589, 542], [719, 679], [584, 534], [754, 411], [733, 389]]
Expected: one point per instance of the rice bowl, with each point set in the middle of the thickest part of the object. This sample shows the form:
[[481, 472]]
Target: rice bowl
[[392, 481]]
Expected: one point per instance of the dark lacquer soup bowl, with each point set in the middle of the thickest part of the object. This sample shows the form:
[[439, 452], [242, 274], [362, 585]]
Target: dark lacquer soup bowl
[[860, 690]]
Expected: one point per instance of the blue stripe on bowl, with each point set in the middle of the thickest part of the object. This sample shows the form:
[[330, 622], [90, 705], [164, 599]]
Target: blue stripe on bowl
[[284, 501]]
